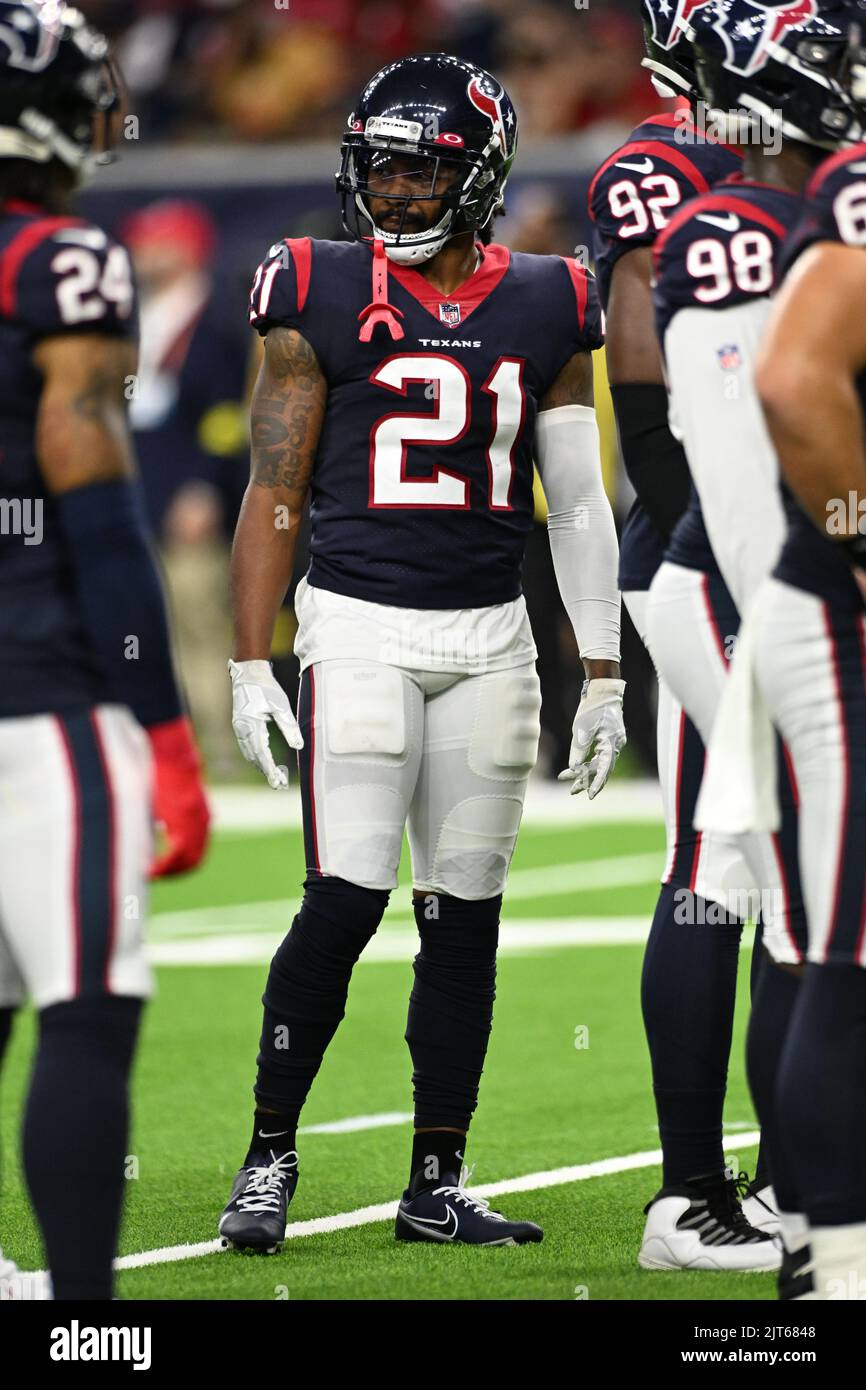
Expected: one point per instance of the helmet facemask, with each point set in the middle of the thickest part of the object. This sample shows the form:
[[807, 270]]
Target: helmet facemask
[[459, 183]]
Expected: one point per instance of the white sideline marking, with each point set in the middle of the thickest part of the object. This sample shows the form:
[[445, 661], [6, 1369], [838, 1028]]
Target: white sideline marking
[[529, 934], [245, 810], [355, 1123], [551, 880], [385, 1211]]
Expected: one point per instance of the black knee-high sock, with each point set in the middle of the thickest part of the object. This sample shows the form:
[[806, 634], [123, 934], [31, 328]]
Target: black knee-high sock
[[75, 1137], [822, 1093], [773, 1001], [688, 988], [305, 996], [451, 1006], [6, 1017]]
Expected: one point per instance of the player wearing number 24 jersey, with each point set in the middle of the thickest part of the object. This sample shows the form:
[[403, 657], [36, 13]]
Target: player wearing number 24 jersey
[[93, 734], [410, 378]]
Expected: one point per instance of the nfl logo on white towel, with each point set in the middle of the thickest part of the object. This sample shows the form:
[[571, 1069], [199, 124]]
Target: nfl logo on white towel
[[450, 314]]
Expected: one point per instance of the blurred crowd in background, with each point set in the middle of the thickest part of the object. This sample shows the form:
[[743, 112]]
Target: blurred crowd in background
[[265, 70], [261, 70]]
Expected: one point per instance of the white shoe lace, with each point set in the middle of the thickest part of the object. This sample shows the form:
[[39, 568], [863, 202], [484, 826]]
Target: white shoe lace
[[262, 1192], [481, 1205]]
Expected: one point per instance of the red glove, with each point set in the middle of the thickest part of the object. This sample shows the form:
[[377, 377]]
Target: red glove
[[179, 799]]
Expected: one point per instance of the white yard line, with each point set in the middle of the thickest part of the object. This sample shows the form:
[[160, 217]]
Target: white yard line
[[521, 934], [355, 1123], [385, 1211], [551, 880]]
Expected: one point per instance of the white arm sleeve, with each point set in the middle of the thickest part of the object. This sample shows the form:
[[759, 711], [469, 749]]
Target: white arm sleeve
[[729, 450], [580, 525]]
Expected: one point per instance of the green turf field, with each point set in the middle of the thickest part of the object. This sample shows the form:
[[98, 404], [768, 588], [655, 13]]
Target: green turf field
[[546, 1104]]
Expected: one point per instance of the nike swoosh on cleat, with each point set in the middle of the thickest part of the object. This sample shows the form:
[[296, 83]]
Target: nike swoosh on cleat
[[646, 166], [423, 1223]]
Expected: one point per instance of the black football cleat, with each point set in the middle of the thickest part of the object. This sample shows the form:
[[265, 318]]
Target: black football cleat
[[255, 1215], [450, 1214]]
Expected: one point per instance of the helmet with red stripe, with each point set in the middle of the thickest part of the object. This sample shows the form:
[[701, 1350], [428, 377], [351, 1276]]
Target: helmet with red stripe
[[434, 130], [59, 88], [799, 67], [666, 27]]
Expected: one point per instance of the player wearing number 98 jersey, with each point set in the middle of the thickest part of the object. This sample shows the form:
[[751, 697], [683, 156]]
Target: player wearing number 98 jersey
[[716, 266], [89, 705], [412, 419], [810, 663]]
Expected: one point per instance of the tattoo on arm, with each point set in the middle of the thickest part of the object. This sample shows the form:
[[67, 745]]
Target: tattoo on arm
[[573, 386], [287, 411], [98, 391]]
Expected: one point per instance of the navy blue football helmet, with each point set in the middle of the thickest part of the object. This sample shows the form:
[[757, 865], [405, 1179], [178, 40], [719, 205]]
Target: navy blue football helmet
[[59, 87], [799, 67], [448, 121], [666, 27]]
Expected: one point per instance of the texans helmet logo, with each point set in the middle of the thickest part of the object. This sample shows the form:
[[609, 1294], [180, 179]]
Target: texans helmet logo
[[670, 21], [748, 29], [485, 95], [31, 45]]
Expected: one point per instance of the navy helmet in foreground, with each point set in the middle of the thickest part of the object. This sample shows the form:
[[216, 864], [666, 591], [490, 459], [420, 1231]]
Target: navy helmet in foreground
[[445, 120]]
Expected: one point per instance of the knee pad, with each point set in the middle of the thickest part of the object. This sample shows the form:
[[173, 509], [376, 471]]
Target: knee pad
[[477, 838]]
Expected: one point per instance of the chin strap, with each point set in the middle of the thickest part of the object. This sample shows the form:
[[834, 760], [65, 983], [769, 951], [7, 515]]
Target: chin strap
[[379, 311]]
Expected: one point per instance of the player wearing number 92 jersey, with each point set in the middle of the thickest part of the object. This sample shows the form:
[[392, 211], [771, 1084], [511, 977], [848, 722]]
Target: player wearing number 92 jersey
[[413, 418]]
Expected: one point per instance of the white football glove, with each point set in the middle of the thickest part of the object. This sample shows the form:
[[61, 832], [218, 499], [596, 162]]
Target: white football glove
[[597, 736], [257, 696]]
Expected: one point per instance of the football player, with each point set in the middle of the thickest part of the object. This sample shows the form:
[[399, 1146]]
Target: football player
[[89, 705], [412, 417], [715, 267], [810, 659], [690, 971]]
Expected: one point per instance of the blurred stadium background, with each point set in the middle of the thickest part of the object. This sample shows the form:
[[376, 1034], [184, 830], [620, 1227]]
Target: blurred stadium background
[[236, 113]]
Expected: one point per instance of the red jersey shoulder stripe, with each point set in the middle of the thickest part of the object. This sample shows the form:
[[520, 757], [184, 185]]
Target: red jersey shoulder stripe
[[659, 150], [302, 254], [20, 247], [830, 165], [577, 274]]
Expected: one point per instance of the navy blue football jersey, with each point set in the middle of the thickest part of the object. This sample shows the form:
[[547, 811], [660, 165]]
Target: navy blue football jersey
[[722, 249], [834, 210], [664, 162], [421, 493], [58, 275]]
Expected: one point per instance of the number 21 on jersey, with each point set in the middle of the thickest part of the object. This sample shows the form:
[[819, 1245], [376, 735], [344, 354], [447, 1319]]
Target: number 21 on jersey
[[445, 424]]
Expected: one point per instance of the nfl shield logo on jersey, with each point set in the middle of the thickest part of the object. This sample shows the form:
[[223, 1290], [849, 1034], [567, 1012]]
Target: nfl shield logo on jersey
[[729, 357], [450, 314]]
